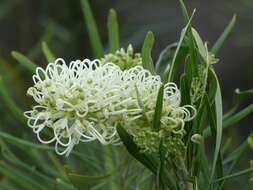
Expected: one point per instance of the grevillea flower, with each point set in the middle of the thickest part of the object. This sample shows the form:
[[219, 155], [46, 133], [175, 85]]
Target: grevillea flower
[[86, 100], [142, 86], [75, 103]]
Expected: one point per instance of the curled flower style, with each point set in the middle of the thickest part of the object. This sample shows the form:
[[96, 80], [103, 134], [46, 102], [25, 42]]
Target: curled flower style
[[141, 85], [75, 102], [85, 101]]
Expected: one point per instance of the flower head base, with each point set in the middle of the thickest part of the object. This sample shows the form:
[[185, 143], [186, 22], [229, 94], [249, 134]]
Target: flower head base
[[86, 100], [124, 59]]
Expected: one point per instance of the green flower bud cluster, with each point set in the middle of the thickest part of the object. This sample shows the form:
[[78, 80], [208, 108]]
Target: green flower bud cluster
[[174, 145], [198, 84], [124, 59], [149, 142]]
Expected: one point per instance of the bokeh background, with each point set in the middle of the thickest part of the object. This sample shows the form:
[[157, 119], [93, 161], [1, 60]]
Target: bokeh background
[[25, 23]]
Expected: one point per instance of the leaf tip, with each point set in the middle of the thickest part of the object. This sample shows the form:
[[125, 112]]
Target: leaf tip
[[112, 12]]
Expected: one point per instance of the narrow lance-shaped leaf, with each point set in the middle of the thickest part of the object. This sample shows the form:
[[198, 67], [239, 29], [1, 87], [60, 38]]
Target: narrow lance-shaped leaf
[[219, 43], [147, 61], [237, 174], [57, 163], [238, 116], [218, 130], [171, 69], [47, 52], [21, 143], [10, 104], [239, 96], [24, 61], [113, 31], [110, 166], [134, 150], [160, 170], [233, 119], [233, 155], [35, 175], [95, 40], [190, 40], [6, 186], [62, 185], [197, 152], [200, 44], [19, 178], [165, 59], [184, 10], [86, 182], [238, 156], [250, 140], [158, 109]]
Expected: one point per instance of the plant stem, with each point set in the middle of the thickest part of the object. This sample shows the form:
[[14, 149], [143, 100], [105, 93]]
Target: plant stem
[[188, 185]]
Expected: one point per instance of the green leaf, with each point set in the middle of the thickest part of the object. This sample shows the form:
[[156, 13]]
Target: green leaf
[[24, 61], [204, 163], [134, 150], [110, 166], [21, 143], [184, 89], [113, 31], [57, 163], [184, 10], [62, 185], [10, 104], [190, 40], [83, 182], [218, 124], [25, 168], [219, 43], [229, 121], [238, 116], [47, 52], [197, 152], [239, 96], [171, 69], [6, 186], [250, 140], [237, 174], [200, 44], [233, 156], [19, 178], [160, 169], [165, 59], [147, 46], [158, 109], [242, 149], [91, 25], [68, 169], [212, 88]]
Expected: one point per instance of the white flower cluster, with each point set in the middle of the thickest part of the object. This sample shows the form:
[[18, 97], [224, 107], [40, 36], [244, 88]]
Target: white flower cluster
[[85, 101]]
